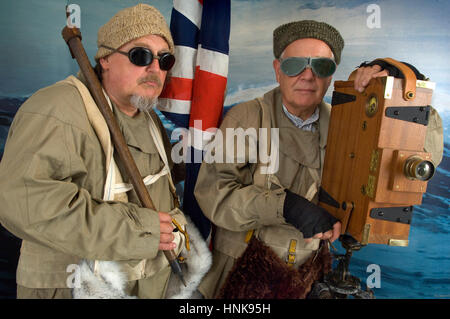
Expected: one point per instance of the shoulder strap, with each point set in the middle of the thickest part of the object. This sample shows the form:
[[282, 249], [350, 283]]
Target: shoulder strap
[[263, 180], [100, 127], [262, 175], [157, 138]]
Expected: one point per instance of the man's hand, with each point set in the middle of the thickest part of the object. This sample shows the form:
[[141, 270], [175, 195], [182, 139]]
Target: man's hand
[[331, 234], [312, 220], [166, 229], [365, 74]]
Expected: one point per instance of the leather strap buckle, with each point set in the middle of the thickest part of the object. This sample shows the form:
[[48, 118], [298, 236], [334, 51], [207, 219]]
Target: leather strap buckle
[[290, 258]]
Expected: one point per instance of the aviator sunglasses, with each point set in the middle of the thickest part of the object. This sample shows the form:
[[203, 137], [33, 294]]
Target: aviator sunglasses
[[322, 67], [142, 57]]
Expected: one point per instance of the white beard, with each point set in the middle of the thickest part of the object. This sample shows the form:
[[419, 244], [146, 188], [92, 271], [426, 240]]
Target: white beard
[[143, 103]]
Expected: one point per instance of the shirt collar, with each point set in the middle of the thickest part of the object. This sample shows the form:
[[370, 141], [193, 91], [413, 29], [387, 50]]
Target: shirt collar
[[303, 124]]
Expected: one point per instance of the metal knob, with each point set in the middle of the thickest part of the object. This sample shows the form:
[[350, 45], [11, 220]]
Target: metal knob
[[418, 169]]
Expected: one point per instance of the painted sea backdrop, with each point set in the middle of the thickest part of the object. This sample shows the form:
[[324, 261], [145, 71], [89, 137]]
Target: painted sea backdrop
[[421, 270]]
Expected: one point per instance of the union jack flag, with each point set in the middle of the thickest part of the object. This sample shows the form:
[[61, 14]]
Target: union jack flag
[[194, 96]]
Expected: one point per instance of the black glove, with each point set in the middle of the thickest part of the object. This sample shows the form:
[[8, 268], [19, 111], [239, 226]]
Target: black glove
[[310, 219], [392, 70]]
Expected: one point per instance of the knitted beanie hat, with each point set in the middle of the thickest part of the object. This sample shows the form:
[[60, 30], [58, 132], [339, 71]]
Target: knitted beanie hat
[[290, 32], [129, 24]]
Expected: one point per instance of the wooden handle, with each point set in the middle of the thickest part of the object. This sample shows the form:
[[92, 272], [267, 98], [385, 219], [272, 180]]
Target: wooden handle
[[409, 84]]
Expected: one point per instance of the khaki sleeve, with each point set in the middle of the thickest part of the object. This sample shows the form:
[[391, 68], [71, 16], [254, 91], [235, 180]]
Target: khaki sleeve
[[225, 191], [41, 201], [434, 139]]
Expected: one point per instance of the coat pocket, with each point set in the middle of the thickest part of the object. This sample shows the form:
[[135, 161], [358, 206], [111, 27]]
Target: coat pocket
[[288, 243]]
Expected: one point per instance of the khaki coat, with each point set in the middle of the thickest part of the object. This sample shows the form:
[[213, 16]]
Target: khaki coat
[[52, 179]]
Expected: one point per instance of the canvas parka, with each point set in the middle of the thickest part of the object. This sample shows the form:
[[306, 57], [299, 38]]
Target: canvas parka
[[52, 178]]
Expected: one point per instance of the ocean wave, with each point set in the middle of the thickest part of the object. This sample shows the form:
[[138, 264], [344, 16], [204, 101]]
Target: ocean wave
[[247, 94]]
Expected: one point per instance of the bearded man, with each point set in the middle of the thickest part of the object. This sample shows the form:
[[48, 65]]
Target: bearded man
[[59, 186]]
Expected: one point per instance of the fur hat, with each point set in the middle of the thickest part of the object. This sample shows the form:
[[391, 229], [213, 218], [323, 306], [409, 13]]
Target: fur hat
[[129, 24], [290, 32]]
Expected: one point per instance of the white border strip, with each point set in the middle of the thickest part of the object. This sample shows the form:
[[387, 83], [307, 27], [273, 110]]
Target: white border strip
[[185, 64], [191, 9], [174, 106], [212, 61]]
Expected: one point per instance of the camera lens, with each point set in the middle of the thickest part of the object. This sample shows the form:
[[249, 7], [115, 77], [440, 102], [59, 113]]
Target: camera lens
[[419, 169], [424, 170]]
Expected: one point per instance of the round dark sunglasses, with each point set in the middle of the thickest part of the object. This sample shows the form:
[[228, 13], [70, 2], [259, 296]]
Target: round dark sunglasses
[[141, 56], [322, 67]]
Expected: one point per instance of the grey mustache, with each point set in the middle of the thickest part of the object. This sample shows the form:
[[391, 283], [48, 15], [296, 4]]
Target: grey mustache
[[151, 78]]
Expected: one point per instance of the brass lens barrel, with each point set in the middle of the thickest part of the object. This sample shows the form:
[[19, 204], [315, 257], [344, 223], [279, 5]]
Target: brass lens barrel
[[419, 169]]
